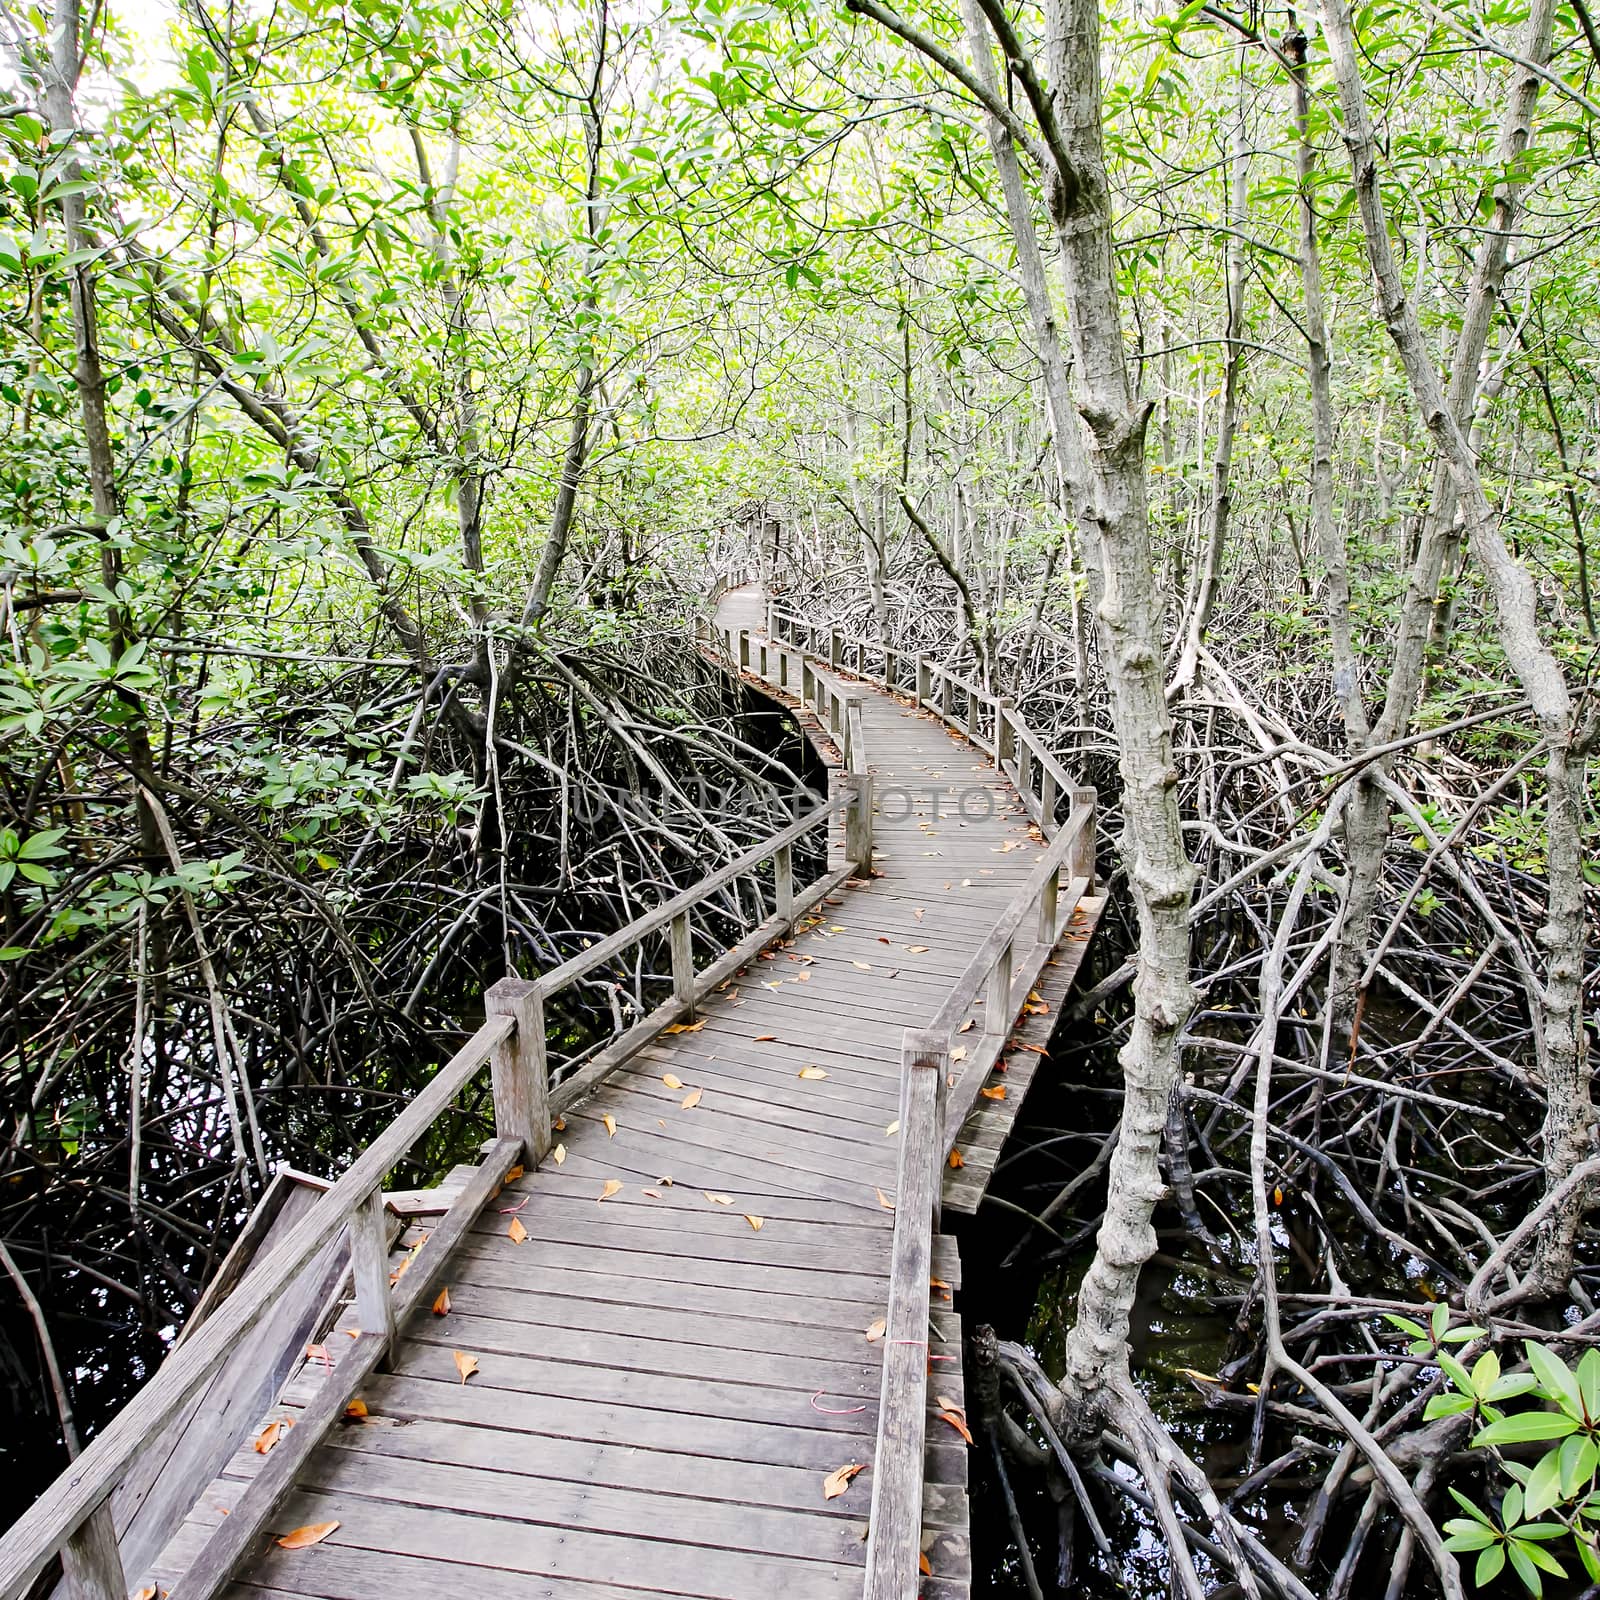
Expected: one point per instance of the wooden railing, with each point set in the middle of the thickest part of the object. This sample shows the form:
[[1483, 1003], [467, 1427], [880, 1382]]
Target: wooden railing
[[933, 1109], [990, 721], [74, 1516]]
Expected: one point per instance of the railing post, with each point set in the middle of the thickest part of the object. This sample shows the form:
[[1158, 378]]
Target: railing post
[[1047, 802], [783, 881], [972, 714], [858, 822], [1024, 770], [1081, 860], [808, 682], [519, 1067], [772, 606], [947, 698], [997, 1002], [889, 665], [1049, 896], [682, 960], [1005, 735], [369, 1268], [894, 1530], [835, 711], [744, 649], [852, 717], [91, 1561], [835, 647], [924, 681], [783, 666]]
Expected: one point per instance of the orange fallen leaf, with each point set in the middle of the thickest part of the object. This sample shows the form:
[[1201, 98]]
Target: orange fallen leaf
[[755, 1222], [838, 1480], [268, 1437], [765, 1038], [319, 1352], [441, 1306], [957, 1160], [691, 1100], [922, 1565], [653, 1194], [812, 1072], [513, 1173], [303, 1538], [968, 1025], [611, 1125], [516, 1233], [876, 1330], [671, 1080], [466, 1365], [146, 1593], [958, 1423], [885, 1201], [717, 1199], [995, 1091], [559, 1154], [685, 1027], [356, 1411], [612, 1186], [959, 1053], [939, 1283], [560, 1124]]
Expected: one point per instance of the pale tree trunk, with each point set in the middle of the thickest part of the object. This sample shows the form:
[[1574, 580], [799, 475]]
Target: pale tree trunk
[[577, 451], [1228, 419], [1160, 874], [1367, 819], [1569, 1122]]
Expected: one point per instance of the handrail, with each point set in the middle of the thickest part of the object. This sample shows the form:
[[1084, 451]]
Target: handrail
[[73, 1517], [990, 721]]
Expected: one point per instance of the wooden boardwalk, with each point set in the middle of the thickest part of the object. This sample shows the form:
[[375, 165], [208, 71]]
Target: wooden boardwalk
[[662, 1340]]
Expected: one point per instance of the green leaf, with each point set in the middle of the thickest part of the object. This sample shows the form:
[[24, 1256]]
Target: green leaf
[[1556, 1379], [1525, 1428], [1544, 1484], [1489, 1565]]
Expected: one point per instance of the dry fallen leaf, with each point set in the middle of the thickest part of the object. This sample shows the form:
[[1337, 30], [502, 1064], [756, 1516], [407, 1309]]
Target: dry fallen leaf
[[865, 966], [812, 1072], [958, 1423], [685, 1027], [922, 1565], [146, 1593], [885, 1201], [919, 949], [876, 1330], [968, 1025], [892, 1129], [838, 1480], [513, 1173], [691, 1100], [959, 1053], [516, 1233], [303, 1538], [268, 1437], [651, 1194], [611, 1125], [671, 1081], [755, 1222], [560, 1124], [765, 1038], [995, 1091], [612, 1186], [717, 1199], [559, 1154], [466, 1365], [441, 1306], [356, 1411]]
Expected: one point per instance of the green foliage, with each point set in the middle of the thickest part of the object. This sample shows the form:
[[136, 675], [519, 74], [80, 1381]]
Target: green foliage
[[1556, 1500]]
